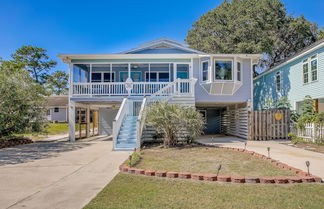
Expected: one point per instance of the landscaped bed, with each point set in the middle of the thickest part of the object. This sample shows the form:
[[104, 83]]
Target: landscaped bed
[[206, 160], [136, 191]]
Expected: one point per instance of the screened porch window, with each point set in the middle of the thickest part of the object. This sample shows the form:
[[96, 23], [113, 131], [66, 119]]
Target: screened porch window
[[81, 73], [96, 77], [223, 70], [157, 77]]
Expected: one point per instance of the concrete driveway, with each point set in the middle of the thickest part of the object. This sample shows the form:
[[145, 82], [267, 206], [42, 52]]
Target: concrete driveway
[[292, 156], [56, 174]]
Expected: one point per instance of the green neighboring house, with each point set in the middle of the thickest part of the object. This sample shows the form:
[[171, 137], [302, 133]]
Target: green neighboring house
[[298, 76]]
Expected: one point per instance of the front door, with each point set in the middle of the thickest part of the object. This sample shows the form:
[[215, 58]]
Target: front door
[[183, 73]]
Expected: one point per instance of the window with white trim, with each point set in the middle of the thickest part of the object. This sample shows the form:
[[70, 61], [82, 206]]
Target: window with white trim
[[223, 70], [205, 70], [278, 81], [239, 75], [56, 109], [305, 71], [313, 65], [102, 77]]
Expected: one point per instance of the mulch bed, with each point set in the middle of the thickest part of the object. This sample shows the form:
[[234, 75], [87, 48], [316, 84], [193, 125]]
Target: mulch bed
[[14, 142], [302, 177]]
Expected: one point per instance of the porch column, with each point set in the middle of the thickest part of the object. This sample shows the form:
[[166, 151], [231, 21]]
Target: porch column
[[88, 122], [71, 121]]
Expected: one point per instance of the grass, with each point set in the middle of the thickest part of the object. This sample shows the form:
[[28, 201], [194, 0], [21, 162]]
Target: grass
[[200, 159], [132, 191], [50, 129]]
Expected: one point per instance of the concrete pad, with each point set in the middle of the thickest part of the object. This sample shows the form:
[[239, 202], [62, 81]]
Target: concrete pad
[[56, 174], [292, 156]]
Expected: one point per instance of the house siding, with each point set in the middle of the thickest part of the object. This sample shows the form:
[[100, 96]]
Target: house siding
[[60, 116], [292, 83]]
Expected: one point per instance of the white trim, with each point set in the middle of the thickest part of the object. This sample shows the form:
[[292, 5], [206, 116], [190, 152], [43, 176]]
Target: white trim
[[202, 71], [291, 60], [310, 65]]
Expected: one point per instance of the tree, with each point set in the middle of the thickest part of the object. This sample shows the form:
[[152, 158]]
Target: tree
[[252, 26], [171, 120], [35, 61], [321, 34], [21, 101], [58, 83]]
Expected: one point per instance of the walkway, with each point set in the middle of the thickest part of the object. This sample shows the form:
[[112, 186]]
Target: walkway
[[56, 174], [292, 156]]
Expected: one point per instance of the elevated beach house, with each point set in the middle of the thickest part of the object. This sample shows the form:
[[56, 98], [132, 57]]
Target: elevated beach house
[[119, 87], [295, 78]]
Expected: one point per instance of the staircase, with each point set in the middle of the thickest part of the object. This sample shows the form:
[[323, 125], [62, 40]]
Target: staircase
[[129, 128], [127, 136]]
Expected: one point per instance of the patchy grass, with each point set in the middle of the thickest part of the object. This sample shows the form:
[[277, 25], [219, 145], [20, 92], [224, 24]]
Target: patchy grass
[[132, 191], [50, 129], [316, 147], [200, 159]]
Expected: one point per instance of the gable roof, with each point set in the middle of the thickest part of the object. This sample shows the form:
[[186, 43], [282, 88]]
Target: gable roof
[[163, 43], [308, 49]]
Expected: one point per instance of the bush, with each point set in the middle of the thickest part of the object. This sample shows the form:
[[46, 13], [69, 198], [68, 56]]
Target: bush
[[171, 120], [297, 140], [133, 159], [292, 135]]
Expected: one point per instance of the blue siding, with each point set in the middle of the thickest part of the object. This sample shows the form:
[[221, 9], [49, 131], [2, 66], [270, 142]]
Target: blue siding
[[292, 83]]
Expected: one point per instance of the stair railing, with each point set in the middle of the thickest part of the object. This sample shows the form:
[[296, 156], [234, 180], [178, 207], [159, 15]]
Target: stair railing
[[122, 112], [177, 87]]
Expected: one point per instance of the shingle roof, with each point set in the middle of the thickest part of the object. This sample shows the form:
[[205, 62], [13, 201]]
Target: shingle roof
[[57, 101]]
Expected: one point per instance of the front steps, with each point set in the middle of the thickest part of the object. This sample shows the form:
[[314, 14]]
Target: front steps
[[126, 139]]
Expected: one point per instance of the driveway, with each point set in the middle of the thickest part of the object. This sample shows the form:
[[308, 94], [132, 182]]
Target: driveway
[[292, 156], [57, 174]]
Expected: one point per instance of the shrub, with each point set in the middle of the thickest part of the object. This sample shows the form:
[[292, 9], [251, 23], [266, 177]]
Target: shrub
[[134, 158], [170, 120], [297, 140], [292, 135]]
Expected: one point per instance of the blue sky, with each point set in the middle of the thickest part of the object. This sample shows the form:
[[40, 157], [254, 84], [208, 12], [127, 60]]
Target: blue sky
[[66, 26]]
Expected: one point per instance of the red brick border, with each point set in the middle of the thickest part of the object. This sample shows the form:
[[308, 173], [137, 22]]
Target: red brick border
[[302, 177]]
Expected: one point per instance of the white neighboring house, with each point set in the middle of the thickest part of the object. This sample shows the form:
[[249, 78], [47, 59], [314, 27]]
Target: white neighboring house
[[57, 109]]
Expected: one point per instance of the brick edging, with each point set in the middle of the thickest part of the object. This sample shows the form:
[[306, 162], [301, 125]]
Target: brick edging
[[12, 143], [302, 177]]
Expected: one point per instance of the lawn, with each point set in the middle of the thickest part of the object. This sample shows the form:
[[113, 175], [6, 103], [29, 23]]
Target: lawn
[[200, 159], [50, 129], [132, 191]]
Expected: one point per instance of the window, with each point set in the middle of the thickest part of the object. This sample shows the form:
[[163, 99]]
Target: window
[[164, 77], [205, 71], [223, 70], [278, 81], [314, 67], [157, 77], [56, 109], [48, 112], [305, 71], [239, 71], [109, 77], [96, 77]]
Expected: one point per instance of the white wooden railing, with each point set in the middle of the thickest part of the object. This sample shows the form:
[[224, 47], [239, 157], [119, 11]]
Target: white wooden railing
[[311, 133], [116, 88], [177, 87], [181, 86], [122, 112]]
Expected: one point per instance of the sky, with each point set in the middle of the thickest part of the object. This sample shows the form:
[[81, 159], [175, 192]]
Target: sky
[[108, 26]]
